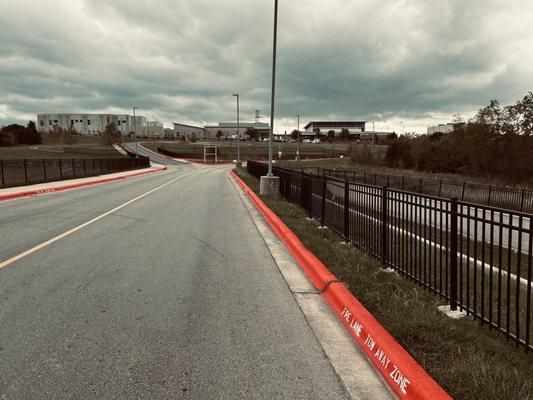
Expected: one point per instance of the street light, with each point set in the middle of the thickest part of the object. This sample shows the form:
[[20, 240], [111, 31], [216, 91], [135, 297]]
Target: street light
[[238, 131], [373, 136], [298, 141], [135, 133], [273, 94]]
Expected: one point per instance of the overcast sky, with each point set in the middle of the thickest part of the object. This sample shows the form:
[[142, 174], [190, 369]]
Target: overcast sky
[[387, 61]]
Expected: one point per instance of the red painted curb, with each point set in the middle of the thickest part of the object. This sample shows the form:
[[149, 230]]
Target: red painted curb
[[320, 276], [35, 192], [401, 372]]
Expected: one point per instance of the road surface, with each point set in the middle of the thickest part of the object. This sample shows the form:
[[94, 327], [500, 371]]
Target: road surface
[[173, 295], [134, 148]]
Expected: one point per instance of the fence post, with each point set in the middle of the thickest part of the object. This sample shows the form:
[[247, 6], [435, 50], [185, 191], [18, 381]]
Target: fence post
[[84, 168], [323, 208], [420, 185], [384, 224], [2, 173], [25, 171], [346, 219], [364, 177], [453, 254], [403, 182], [522, 200], [60, 168], [44, 171], [440, 188], [73, 168], [490, 192], [463, 194]]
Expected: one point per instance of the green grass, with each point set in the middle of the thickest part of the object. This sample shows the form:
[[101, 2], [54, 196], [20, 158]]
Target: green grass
[[467, 359]]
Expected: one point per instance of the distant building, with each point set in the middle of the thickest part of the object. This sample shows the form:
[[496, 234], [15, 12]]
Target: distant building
[[90, 124], [443, 128], [229, 129], [152, 130], [337, 126], [187, 130]]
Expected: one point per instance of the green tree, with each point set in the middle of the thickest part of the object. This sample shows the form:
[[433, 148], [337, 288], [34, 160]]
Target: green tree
[[70, 135], [193, 138], [219, 134], [111, 135], [345, 134], [252, 133], [294, 134], [331, 135], [32, 134]]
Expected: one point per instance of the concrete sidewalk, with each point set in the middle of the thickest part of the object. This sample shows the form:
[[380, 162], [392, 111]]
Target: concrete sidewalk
[[29, 190]]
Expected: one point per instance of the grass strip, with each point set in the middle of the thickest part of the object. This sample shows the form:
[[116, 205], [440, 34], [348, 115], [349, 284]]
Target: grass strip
[[466, 359]]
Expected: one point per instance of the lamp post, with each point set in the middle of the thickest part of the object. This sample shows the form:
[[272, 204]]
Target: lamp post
[[269, 184], [373, 136], [238, 132], [135, 132], [273, 93], [298, 141]]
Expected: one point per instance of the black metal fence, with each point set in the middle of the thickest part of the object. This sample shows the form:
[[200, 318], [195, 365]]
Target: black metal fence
[[496, 196], [30, 171], [476, 257]]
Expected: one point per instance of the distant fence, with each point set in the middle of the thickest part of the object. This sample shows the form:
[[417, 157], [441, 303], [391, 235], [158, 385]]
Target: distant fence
[[476, 257], [30, 171], [496, 196]]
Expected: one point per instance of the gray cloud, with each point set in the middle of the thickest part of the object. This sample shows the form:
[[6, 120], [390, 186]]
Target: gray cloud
[[383, 60]]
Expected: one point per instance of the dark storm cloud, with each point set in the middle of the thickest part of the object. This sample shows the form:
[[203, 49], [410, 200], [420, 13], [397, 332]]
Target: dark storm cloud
[[416, 61]]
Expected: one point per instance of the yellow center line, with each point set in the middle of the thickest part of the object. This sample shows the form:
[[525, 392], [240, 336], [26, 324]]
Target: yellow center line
[[77, 228]]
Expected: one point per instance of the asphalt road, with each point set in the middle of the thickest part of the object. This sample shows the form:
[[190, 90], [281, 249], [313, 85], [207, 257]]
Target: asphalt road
[[134, 148], [175, 295]]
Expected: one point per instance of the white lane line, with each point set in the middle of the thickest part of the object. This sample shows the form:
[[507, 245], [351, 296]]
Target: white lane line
[[77, 228]]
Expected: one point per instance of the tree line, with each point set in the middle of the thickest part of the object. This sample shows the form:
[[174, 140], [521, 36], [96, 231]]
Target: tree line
[[15, 134], [496, 143]]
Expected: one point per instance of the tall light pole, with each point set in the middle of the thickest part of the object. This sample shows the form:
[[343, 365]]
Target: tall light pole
[[373, 136], [238, 130], [298, 141], [273, 94], [135, 132]]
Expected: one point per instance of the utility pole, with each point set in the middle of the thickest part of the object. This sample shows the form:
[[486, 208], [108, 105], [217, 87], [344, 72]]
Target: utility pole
[[298, 140], [373, 136], [269, 184], [238, 131], [135, 133], [273, 93]]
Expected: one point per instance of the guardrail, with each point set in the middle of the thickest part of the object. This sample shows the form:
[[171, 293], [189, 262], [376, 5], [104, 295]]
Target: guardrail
[[496, 196], [30, 171], [476, 257]]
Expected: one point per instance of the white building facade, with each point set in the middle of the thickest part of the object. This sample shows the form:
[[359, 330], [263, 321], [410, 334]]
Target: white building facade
[[90, 124], [229, 129], [336, 126], [183, 130]]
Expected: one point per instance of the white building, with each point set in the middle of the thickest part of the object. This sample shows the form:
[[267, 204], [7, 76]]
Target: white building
[[337, 126], [187, 130], [440, 128], [229, 129], [90, 124], [152, 130]]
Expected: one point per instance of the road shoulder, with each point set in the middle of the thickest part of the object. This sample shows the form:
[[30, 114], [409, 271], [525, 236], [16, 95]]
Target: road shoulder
[[356, 374]]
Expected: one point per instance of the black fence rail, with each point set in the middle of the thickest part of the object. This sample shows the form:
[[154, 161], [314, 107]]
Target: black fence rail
[[31, 171], [496, 196], [477, 258]]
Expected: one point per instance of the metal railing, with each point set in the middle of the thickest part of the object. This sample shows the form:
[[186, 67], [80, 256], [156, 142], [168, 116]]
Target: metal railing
[[30, 171], [476, 257], [496, 196]]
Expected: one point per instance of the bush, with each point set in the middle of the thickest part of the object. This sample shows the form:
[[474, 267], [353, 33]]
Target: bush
[[111, 135], [361, 154]]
